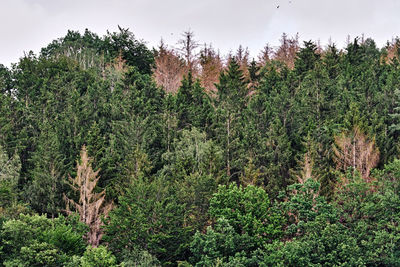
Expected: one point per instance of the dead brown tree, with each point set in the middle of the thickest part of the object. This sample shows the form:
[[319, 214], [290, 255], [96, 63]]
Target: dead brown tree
[[392, 49], [169, 69], [354, 149], [91, 206], [265, 55], [287, 51], [187, 48], [242, 57], [211, 67]]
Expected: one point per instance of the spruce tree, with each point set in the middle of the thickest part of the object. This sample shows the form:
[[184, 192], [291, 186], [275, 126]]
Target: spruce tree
[[44, 192], [231, 101], [306, 59], [279, 157], [193, 106]]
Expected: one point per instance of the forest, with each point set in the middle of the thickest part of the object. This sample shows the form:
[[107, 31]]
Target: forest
[[115, 154]]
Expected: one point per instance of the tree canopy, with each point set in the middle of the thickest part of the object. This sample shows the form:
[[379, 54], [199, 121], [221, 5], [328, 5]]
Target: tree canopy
[[114, 154]]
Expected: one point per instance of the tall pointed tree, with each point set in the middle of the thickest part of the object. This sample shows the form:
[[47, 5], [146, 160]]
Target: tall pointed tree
[[306, 59], [193, 105], [279, 157], [395, 116], [44, 192], [9, 176], [91, 206], [187, 47], [231, 101]]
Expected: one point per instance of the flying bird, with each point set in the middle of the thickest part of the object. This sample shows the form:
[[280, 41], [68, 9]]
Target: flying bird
[[277, 6]]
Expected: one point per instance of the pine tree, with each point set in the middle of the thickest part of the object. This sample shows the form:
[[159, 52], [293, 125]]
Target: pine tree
[[187, 48], [306, 165], [287, 51], [8, 105], [254, 75], [331, 60], [149, 217]]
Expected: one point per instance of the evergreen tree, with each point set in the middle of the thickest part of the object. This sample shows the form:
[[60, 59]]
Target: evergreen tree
[[279, 156], [129, 228], [306, 59], [9, 177], [331, 61], [395, 116], [193, 106], [231, 101], [7, 109], [44, 192]]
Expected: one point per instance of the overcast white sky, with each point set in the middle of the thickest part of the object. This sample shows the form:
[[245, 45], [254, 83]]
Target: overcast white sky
[[31, 24]]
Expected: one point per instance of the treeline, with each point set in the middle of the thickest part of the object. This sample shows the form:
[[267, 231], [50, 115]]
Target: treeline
[[112, 154]]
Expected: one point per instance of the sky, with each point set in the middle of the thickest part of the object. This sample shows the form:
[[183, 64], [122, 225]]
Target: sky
[[31, 24]]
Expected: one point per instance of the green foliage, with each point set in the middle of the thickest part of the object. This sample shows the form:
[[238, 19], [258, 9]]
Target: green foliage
[[305, 205], [245, 221], [306, 59], [133, 51], [248, 210], [38, 241], [194, 166], [395, 116], [139, 258], [164, 235], [193, 105], [97, 257], [231, 100], [371, 212], [9, 176], [278, 154], [324, 244], [220, 245], [90, 50], [36, 254], [44, 193], [193, 153], [162, 156]]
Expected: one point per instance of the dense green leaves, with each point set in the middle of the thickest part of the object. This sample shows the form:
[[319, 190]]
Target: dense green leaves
[[245, 220], [38, 241]]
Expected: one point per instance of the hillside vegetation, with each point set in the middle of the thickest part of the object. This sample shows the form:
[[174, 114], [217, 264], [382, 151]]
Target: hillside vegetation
[[112, 154]]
